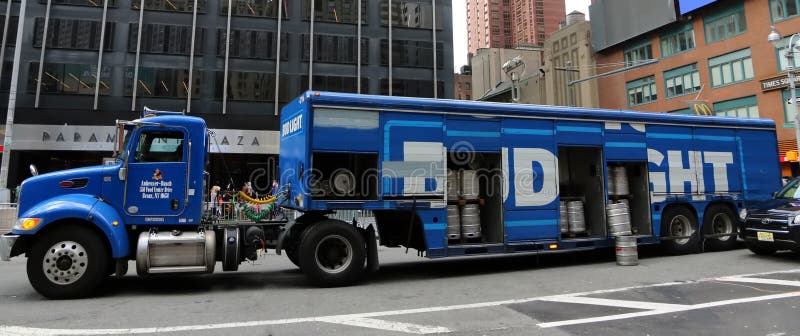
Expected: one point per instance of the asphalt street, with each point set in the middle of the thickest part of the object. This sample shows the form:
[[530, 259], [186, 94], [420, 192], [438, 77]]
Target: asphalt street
[[719, 293]]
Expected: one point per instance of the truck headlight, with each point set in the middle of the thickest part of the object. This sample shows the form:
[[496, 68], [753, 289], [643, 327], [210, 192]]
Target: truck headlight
[[795, 221], [742, 214], [27, 223]]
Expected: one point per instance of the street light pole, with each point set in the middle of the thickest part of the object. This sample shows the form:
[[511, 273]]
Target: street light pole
[[793, 47]]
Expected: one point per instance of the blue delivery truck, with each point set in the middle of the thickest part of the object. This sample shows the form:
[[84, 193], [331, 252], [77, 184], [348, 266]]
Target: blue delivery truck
[[447, 178]]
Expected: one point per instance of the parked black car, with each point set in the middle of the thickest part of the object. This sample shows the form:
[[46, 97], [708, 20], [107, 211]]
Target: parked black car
[[774, 225]]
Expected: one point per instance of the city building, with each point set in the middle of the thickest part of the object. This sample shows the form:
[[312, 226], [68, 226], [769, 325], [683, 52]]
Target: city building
[[696, 57], [511, 23], [215, 60], [463, 83], [491, 83], [568, 56]]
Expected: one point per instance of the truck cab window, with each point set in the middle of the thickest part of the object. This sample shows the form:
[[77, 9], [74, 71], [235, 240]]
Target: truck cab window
[[160, 146]]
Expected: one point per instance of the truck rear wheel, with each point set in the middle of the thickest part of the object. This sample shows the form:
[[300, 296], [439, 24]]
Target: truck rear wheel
[[719, 219], [332, 253], [67, 262], [678, 221]]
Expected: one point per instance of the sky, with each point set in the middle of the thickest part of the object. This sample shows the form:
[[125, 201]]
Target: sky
[[460, 27]]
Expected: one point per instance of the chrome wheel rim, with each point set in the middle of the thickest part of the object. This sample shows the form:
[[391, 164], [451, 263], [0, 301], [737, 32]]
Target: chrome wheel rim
[[65, 262], [680, 226], [333, 254], [722, 224]]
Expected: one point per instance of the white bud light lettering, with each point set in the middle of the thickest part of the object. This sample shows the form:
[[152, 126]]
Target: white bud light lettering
[[719, 161], [535, 177], [658, 180], [292, 126], [679, 175]]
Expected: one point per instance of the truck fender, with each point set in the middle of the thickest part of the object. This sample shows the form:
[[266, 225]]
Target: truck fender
[[84, 207]]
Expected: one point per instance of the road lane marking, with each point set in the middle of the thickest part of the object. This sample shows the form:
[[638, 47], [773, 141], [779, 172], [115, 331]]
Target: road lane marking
[[403, 327], [614, 303], [19, 330], [667, 311], [761, 281]]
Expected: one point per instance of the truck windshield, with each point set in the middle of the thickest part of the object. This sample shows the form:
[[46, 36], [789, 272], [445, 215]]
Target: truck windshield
[[790, 191]]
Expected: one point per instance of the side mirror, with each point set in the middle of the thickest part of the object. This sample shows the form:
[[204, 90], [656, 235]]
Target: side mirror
[[33, 170], [123, 173]]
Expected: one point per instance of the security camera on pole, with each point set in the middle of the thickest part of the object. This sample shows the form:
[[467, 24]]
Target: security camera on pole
[[514, 69], [774, 37]]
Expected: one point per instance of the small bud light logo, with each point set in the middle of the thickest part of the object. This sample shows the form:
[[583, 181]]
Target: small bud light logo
[[292, 126]]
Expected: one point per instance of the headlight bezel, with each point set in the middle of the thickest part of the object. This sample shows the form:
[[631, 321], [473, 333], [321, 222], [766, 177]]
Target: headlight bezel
[[27, 223]]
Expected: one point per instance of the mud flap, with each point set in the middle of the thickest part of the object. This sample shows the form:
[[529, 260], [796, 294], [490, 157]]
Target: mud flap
[[372, 249]]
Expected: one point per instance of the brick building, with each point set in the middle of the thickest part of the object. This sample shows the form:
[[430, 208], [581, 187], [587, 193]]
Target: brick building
[[511, 23], [717, 54]]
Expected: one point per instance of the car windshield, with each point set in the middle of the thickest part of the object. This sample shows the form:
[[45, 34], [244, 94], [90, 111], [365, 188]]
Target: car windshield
[[790, 190]]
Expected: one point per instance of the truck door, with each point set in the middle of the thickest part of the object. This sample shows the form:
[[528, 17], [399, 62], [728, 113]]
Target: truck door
[[157, 173]]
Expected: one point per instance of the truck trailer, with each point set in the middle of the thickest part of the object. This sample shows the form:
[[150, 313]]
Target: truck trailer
[[446, 178]]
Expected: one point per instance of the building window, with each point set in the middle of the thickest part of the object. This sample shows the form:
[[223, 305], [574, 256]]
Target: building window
[[337, 83], [728, 23], [783, 9], [60, 78], [641, 91], [172, 5], [166, 39], [410, 14], [336, 49], [681, 81], [780, 52], [251, 86], [73, 34], [255, 44], [677, 41], [638, 53], [11, 37], [411, 54], [257, 8], [411, 88], [731, 68], [340, 11], [163, 82], [90, 3], [746, 107], [789, 111]]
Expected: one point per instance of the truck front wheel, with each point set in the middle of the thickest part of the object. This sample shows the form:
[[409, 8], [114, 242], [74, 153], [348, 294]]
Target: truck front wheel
[[67, 262], [332, 253]]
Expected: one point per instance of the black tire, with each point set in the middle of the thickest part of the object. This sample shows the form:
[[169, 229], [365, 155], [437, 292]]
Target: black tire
[[678, 221], [720, 219], [291, 253], [760, 249], [332, 253], [78, 249]]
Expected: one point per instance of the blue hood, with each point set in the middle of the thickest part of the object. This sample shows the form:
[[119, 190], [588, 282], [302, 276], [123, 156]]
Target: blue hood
[[87, 180]]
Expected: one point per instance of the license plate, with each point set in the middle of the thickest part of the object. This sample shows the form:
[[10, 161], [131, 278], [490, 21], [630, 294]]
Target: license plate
[[765, 236]]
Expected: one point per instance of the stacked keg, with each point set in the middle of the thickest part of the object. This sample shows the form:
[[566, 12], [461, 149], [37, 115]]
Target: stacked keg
[[575, 219], [618, 181], [619, 219], [463, 221], [564, 218]]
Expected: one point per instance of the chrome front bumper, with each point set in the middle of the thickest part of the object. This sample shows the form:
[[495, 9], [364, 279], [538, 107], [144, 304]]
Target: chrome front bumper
[[6, 244]]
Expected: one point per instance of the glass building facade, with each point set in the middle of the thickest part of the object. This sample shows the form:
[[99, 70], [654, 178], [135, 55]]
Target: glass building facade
[[213, 59]]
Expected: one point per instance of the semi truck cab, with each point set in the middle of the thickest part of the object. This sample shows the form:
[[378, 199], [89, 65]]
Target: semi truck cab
[[79, 225]]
